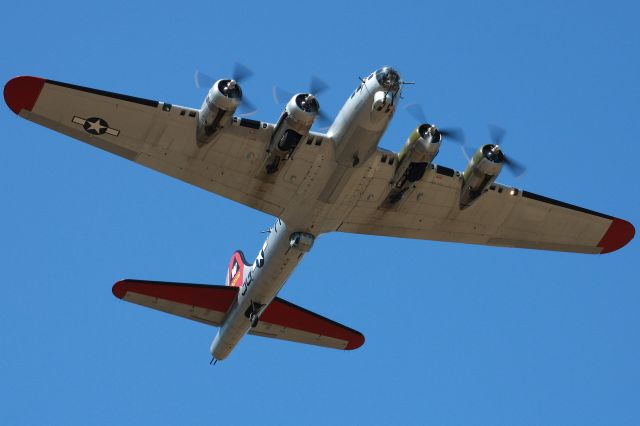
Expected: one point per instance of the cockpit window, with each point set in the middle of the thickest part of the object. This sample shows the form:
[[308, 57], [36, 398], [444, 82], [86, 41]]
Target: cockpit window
[[388, 78]]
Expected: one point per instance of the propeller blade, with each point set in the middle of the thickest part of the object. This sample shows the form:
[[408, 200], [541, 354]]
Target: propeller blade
[[202, 80], [416, 111], [281, 96], [516, 168], [455, 134], [241, 72], [317, 86], [323, 120], [497, 134], [465, 153], [246, 108]]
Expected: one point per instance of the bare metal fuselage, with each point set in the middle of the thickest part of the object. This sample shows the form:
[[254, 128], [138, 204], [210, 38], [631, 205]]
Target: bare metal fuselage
[[356, 133]]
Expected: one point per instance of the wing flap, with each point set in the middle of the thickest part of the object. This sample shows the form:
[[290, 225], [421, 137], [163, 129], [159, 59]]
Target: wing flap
[[208, 304], [286, 321]]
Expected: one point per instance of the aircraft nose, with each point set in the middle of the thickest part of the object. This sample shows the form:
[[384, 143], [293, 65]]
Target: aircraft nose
[[394, 75], [388, 78]]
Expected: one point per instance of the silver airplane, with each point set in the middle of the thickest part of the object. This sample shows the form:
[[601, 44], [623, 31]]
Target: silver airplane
[[314, 183]]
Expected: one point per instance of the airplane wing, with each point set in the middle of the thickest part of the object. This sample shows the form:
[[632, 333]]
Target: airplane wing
[[209, 304], [503, 216], [162, 137]]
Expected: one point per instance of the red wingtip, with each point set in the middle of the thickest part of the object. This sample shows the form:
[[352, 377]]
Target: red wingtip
[[22, 93], [620, 232], [119, 290], [355, 343]]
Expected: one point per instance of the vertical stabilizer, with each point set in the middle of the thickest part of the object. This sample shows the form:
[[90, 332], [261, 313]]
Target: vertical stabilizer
[[237, 270]]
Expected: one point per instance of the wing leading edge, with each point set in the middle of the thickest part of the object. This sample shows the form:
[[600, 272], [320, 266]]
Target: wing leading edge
[[209, 304]]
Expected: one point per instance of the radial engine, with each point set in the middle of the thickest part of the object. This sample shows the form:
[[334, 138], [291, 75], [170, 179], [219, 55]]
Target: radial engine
[[217, 109], [418, 152], [294, 124], [483, 169]]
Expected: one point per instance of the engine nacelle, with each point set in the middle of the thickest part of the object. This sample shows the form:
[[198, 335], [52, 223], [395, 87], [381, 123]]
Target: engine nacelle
[[302, 110], [418, 152], [482, 171], [217, 109], [294, 124]]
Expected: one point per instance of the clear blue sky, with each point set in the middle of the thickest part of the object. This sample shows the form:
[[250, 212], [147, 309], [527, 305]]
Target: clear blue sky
[[456, 335]]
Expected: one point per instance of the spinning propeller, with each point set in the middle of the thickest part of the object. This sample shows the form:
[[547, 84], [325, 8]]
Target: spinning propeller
[[456, 134], [497, 135], [240, 74], [316, 87]]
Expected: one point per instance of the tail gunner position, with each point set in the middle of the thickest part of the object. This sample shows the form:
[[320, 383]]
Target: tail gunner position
[[314, 183]]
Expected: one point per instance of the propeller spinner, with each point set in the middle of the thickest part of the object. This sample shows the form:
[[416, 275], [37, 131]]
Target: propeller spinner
[[496, 154]]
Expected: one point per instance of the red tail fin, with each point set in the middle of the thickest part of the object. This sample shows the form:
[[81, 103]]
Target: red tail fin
[[237, 269]]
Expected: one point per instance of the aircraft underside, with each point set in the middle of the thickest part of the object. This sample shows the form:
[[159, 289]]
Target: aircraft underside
[[313, 183]]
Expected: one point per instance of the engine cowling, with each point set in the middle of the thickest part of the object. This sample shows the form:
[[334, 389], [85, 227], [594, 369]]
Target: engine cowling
[[302, 110], [418, 152], [482, 171], [294, 124], [217, 109]]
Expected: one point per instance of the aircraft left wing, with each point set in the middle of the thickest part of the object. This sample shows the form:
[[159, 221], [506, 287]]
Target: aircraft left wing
[[503, 216], [160, 136], [209, 304]]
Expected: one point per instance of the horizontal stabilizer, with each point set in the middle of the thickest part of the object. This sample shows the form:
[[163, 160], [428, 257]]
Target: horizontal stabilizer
[[210, 304], [286, 321]]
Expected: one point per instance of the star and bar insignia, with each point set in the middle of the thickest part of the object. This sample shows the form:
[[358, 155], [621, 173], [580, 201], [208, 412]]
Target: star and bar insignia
[[95, 126]]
